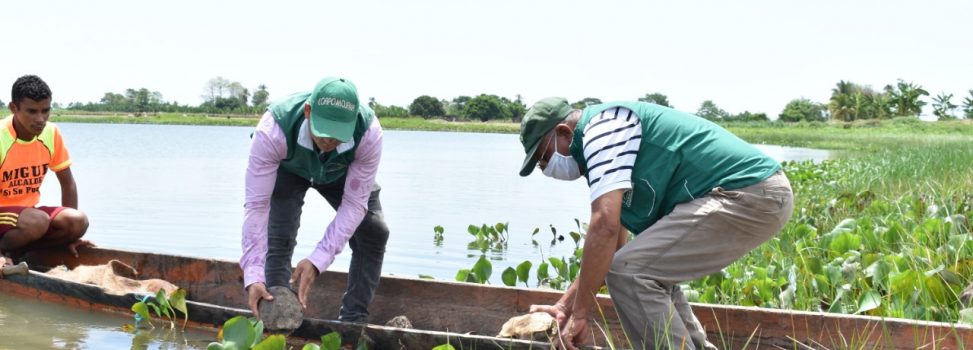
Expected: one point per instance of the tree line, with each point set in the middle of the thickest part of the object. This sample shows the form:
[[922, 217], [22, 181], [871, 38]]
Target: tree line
[[220, 95], [849, 101]]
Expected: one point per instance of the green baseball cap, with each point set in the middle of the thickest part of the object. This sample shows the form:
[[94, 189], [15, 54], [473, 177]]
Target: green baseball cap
[[334, 108], [538, 121]]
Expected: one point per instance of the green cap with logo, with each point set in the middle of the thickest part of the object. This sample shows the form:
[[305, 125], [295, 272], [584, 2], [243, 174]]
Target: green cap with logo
[[334, 108], [538, 121]]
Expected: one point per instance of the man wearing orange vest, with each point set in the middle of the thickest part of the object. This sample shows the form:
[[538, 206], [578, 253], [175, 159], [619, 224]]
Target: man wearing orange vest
[[29, 146]]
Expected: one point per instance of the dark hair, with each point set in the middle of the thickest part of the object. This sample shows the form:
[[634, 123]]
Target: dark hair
[[29, 86]]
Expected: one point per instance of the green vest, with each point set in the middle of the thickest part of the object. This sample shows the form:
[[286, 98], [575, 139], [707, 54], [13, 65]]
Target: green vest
[[681, 157], [308, 163]]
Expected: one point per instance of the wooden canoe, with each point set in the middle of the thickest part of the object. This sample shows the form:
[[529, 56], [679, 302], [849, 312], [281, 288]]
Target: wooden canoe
[[464, 315]]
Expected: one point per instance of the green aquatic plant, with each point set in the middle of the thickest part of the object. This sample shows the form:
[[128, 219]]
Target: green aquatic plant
[[487, 237], [438, 235], [480, 273], [241, 333], [162, 306], [330, 341]]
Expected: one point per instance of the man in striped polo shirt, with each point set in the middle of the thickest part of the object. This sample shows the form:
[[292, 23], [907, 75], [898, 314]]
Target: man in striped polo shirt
[[696, 197]]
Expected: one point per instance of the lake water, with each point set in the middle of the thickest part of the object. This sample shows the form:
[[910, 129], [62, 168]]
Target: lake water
[[27, 323], [179, 190]]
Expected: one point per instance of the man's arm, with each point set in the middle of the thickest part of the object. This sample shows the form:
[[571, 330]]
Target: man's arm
[[268, 148], [601, 242], [565, 303], [354, 200], [69, 189]]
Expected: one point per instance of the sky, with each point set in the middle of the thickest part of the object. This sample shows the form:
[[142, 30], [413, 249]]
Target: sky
[[742, 54]]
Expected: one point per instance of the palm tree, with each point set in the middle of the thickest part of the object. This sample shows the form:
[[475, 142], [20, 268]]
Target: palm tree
[[906, 98], [943, 107], [842, 105], [968, 106]]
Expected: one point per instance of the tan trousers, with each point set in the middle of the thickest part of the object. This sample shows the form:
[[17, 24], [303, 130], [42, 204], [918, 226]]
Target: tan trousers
[[698, 238]]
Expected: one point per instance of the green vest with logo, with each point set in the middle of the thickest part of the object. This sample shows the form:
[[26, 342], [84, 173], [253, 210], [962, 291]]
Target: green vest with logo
[[308, 163], [681, 157]]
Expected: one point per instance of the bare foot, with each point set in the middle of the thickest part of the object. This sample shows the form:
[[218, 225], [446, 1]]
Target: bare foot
[[73, 246]]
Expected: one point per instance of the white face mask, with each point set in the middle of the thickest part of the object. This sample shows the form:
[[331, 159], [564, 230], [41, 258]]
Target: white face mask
[[562, 167]]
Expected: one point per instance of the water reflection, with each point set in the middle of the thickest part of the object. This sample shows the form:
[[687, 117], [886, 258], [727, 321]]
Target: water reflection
[[27, 323]]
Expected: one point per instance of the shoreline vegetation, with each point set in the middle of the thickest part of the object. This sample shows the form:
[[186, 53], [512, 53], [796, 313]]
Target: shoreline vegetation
[[860, 135], [388, 123]]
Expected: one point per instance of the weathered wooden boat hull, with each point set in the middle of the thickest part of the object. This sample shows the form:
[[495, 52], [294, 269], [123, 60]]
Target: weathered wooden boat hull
[[465, 315]]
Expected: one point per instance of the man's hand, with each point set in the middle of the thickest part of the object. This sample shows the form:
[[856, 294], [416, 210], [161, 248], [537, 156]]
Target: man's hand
[[558, 311], [73, 246], [255, 292], [303, 276], [5, 261], [573, 333]]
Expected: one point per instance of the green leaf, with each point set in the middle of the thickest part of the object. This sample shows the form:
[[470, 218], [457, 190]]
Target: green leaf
[[426, 277], [542, 272], [462, 275], [444, 347], [237, 330], [523, 271], [215, 346], [473, 229], [154, 308], [258, 329], [844, 242], [142, 310], [935, 288], [558, 264], [438, 229], [845, 226], [868, 301], [575, 236], [178, 302], [331, 341], [273, 342], [509, 277], [164, 305], [903, 284], [308, 347], [836, 304], [483, 269], [536, 230]]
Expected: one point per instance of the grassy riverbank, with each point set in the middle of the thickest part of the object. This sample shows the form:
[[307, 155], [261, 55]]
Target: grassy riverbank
[[858, 136]]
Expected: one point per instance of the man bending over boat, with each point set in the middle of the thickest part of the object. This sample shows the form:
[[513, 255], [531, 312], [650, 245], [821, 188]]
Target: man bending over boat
[[696, 197], [322, 139], [29, 146]]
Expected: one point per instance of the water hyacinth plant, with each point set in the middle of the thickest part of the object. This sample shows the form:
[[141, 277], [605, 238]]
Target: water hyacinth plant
[[162, 306]]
